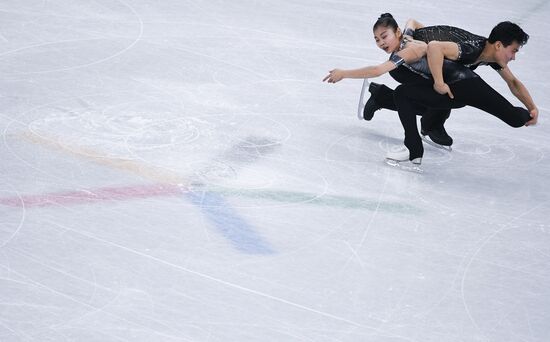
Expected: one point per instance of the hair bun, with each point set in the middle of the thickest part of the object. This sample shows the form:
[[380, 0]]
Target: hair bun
[[386, 20]]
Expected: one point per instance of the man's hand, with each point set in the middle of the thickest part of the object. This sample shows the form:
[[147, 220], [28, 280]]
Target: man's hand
[[334, 76], [443, 89], [534, 115]]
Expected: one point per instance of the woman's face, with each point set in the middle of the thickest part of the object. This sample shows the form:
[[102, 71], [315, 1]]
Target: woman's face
[[387, 39]]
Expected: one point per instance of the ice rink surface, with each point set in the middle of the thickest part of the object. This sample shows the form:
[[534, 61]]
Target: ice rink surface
[[177, 171]]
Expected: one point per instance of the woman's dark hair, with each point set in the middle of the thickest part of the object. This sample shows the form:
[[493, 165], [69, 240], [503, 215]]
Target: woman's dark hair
[[386, 20], [507, 33]]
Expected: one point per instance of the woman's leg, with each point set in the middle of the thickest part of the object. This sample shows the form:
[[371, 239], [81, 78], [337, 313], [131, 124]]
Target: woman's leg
[[383, 96], [407, 111]]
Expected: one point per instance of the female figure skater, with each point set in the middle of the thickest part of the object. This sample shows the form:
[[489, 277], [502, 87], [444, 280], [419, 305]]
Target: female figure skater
[[388, 37]]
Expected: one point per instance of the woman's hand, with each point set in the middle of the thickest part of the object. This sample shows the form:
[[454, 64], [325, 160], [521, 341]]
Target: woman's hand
[[334, 76]]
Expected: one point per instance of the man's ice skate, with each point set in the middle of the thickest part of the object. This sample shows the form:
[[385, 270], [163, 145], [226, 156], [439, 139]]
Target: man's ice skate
[[399, 157], [438, 138]]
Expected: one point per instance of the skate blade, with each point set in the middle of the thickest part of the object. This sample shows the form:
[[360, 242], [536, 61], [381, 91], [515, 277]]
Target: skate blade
[[441, 147], [362, 101], [404, 165]]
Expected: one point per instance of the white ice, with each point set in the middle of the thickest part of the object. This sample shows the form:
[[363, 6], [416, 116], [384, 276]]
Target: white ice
[[177, 171]]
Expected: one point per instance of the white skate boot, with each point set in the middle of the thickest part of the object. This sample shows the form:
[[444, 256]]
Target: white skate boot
[[399, 157]]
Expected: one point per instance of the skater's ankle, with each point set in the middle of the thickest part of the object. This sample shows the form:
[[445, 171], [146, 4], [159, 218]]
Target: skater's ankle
[[374, 87]]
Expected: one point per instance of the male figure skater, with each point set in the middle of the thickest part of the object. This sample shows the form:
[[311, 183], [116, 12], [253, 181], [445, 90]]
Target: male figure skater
[[470, 50], [497, 51]]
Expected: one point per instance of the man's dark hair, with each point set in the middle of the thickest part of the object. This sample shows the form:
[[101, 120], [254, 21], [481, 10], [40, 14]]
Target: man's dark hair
[[507, 33]]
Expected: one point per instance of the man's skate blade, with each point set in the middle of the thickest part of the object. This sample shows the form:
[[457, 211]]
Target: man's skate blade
[[436, 145], [404, 165]]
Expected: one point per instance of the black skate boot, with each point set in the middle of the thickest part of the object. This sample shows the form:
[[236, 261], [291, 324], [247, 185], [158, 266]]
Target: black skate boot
[[437, 137], [371, 106]]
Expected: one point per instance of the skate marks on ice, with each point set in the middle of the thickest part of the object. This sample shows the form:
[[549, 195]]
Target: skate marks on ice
[[11, 221], [113, 35], [74, 132], [523, 268], [497, 152], [155, 142], [130, 141], [242, 235], [210, 178]]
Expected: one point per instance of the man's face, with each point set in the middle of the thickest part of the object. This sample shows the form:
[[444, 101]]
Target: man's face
[[505, 54]]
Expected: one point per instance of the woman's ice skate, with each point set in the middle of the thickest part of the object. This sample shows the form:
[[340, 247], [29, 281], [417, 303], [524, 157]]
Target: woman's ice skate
[[399, 157]]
